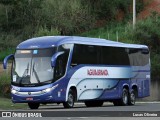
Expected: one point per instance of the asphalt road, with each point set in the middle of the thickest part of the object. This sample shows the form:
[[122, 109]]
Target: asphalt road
[[144, 110], [139, 106]]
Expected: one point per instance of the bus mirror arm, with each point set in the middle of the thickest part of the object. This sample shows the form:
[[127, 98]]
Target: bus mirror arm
[[5, 61], [54, 58]]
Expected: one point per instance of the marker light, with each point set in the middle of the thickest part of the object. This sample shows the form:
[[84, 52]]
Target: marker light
[[25, 51]]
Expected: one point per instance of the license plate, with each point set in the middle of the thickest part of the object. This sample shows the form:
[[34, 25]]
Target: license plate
[[29, 98]]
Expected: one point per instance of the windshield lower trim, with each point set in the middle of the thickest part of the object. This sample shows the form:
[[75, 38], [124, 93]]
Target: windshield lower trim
[[32, 85]]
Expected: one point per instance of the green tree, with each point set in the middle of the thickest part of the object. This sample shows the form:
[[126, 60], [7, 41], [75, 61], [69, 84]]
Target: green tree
[[68, 16], [107, 9]]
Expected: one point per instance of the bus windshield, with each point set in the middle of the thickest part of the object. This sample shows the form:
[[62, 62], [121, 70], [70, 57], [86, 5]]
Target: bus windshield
[[33, 67]]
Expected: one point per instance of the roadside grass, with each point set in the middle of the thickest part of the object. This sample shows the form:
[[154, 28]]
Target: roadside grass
[[6, 104], [5, 77]]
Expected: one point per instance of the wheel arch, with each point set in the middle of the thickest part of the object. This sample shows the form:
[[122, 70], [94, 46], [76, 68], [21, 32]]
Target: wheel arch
[[135, 88], [74, 89], [126, 86]]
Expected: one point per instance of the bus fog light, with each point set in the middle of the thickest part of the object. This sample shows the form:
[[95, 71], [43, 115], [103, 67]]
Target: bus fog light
[[50, 96]]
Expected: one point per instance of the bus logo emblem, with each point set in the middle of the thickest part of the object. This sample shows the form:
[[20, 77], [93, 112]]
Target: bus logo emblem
[[29, 93]]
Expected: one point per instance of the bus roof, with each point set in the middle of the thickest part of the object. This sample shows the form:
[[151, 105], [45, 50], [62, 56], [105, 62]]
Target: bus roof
[[51, 41]]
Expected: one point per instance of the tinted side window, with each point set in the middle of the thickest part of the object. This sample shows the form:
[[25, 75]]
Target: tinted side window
[[84, 54], [114, 56], [138, 57], [145, 56]]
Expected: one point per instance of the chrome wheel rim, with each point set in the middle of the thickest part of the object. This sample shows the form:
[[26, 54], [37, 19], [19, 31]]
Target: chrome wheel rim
[[132, 98], [125, 98], [70, 100]]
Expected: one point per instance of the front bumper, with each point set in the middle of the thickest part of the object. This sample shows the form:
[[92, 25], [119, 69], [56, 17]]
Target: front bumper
[[43, 98]]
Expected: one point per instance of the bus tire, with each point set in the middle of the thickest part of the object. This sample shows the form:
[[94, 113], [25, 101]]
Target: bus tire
[[132, 97], [33, 105], [124, 97], [88, 103], [100, 103], [116, 103], [93, 103], [70, 101]]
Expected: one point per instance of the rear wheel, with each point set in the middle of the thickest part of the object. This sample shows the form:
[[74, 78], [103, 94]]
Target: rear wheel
[[94, 103], [132, 98], [70, 100], [33, 105], [124, 99]]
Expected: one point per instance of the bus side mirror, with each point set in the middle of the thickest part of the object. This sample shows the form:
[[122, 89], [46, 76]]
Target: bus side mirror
[[5, 61], [54, 58]]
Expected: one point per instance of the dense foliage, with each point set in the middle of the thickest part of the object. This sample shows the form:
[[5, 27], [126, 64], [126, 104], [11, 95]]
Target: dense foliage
[[22, 19]]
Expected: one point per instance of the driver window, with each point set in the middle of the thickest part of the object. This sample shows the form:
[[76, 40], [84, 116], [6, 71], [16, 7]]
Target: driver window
[[61, 62]]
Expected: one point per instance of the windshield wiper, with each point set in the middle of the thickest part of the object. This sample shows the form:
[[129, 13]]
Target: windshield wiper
[[25, 74], [35, 72]]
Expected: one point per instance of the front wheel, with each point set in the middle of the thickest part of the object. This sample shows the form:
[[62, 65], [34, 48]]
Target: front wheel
[[70, 100], [33, 105], [132, 98]]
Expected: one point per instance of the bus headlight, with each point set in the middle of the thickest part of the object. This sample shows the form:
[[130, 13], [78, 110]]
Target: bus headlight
[[49, 89], [13, 91]]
